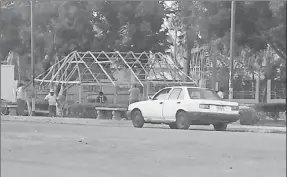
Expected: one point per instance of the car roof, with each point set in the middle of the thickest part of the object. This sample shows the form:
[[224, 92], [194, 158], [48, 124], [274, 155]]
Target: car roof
[[187, 87]]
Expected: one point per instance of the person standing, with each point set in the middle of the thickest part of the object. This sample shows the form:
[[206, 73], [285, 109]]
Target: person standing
[[220, 93], [21, 96], [52, 100], [134, 94]]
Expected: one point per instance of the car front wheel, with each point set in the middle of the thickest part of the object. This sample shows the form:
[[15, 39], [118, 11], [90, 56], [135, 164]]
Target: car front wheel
[[137, 119], [220, 126], [182, 121]]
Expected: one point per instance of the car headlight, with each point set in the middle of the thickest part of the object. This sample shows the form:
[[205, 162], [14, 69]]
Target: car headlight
[[234, 108]]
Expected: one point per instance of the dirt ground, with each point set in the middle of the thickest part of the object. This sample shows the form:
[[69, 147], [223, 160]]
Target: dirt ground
[[61, 150]]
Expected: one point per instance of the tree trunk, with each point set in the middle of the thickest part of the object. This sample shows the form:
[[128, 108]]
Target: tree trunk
[[214, 72], [175, 52], [187, 62], [188, 55], [253, 83], [175, 46]]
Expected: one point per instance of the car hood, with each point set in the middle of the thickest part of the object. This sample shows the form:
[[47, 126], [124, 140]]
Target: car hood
[[136, 104]]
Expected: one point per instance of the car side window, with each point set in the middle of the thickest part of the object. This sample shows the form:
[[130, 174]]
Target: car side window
[[175, 94], [162, 95], [195, 95]]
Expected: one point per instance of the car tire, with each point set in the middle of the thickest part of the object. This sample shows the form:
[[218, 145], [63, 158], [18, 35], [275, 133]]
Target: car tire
[[172, 126], [137, 119], [182, 121], [220, 126]]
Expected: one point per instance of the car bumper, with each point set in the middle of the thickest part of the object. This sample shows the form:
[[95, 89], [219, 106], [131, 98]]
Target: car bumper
[[211, 118], [129, 115]]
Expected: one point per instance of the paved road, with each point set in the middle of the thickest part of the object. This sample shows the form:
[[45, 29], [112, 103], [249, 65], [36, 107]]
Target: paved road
[[60, 150]]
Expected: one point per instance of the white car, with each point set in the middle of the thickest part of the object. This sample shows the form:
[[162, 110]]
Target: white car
[[181, 106]]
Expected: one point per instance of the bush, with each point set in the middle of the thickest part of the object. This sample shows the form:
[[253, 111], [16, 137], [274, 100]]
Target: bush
[[248, 116], [112, 105], [88, 110], [39, 106], [270, 107], [82, 110]]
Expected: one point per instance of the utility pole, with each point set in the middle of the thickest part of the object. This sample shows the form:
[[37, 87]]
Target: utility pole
[[232, 33], [188, 50], [0, 18], [32, 57]]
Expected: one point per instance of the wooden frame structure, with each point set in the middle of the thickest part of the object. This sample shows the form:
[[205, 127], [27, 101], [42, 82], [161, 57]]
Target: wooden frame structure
[[102, 68]]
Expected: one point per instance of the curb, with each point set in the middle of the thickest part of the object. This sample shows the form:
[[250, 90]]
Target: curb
[[127, 123], [73, 121]]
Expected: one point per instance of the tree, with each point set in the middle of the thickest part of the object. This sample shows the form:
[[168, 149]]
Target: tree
[[134, 26], [61, 27], [258, 25], [184, 19]]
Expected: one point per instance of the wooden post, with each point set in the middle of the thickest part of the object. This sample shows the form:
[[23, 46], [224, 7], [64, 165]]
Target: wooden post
[[257, 92], [115, 94], [268, 91], [80, 93]]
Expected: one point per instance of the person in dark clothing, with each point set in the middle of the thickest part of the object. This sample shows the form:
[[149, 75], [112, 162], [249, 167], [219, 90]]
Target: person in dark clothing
[[101, 98], [134, 92]]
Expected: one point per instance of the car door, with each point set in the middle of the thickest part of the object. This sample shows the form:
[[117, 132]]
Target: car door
[[155, 105], [173, 104]]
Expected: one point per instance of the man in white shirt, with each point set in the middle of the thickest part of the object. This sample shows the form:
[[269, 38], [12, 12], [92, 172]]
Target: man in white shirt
[[220, 93], [21, 96], [52, 100]]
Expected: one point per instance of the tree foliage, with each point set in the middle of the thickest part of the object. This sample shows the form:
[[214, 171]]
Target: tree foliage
[[62, 27], [259, 26]]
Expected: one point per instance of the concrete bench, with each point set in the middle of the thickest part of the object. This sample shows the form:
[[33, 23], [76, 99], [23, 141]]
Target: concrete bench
[[13, 108], [110, 113]]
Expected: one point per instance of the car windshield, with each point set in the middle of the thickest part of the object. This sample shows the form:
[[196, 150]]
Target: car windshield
[[196, 93]]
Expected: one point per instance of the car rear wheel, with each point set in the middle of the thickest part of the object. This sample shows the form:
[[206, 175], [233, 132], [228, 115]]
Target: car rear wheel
[[137, 119], [172, 126], [220, 126], [182, 121]]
